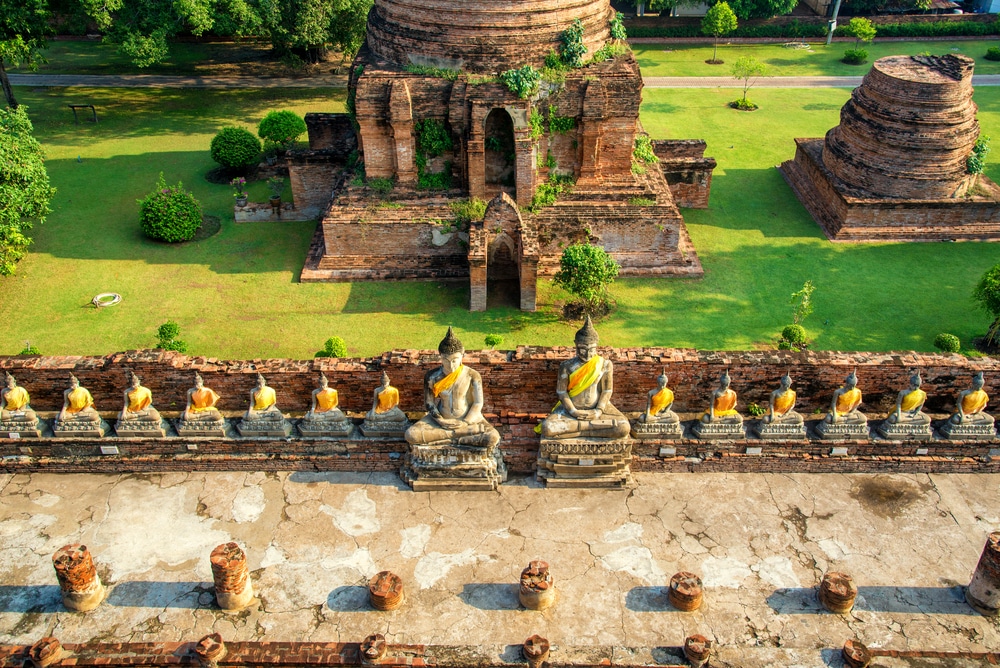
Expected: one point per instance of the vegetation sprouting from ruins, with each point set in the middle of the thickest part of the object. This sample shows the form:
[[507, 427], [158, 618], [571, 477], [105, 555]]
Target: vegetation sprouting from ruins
[[976, 162], [535, 123], [522, 81], [546, 194], [433, 140], [437, 72], [987, 295], [167, 337], [571, 48], [560, 124], [618, 27], [466, 211], [642, 154]]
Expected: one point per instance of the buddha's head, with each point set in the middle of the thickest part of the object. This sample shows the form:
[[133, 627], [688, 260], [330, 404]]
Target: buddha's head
[[724, 380], [586, 341], [73, 382], [451, 351], [851, 381], [260, 381], [786, 381], [661, 380], [133, 380], [915, 380], [323, 382], [9, 380], [199, 382], [385, 379], [977, 381]]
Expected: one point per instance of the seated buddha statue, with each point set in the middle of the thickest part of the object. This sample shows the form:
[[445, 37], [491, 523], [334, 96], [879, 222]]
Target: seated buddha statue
[[584, 387], [781, 405], [385, 418], [722, 409], [325, 406], [844, 407], [14, 404], [78, 415], [971, 405], [909, 404], [659, 401], [201, 402], [138, 404], [262, 403]]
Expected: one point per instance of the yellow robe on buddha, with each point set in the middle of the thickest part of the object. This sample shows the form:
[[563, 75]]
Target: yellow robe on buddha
[[327, 400], [660, 400], [848, 401], [264, 398], [139, 399], [449, 380], [387, 400], [585, 375], [912, 400], [725, 404], [15, 399], [203, 400], [784, 403], [79, 399], [975, 402]]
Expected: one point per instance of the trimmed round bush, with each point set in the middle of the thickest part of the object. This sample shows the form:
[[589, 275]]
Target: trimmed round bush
[[235, 148], [794, 334], [169, 213], [855, 56], [334, 347], [947, 343], [993, 53], [281, 127]]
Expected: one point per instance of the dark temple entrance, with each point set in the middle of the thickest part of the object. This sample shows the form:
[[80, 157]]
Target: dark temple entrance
[[500, 170]]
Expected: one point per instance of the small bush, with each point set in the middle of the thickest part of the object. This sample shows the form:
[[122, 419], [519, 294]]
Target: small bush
[[572, 48], [947, 343], [523, 81], [235, 148], [855, 56], [281, 127], [743, 105], [29, 349], [794, 334], [547, 193], [641, 201], [382, 186], [169, 213], [993, 53], [334, 347], [467, 211], [166, 337], [560, 124], [618, 27], [755, 410], [493, 340]]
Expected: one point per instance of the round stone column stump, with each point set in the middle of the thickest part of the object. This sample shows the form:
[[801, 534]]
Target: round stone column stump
[[685, 591], [535, 650], [210, 650], [536, 590], [855, 654], [233, 589], [385, 591], [373, 649], [697, 650], [983, 592], [45, 652], [837, 592], [78, 580]]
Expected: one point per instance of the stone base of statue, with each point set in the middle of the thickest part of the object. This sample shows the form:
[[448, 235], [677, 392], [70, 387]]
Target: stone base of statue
[[78, 429], [585, 462], [384, 428], [428, 468], [968, 431], [201, 428], [276, 427], [905, 431], [140, 429], [843, 431], [720, 430], [657, 430], [326, 428], [20, 428], [780, 430]]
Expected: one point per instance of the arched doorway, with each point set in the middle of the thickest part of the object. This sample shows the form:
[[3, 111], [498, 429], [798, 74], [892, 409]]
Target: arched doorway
[[500, 170], [503, 285]]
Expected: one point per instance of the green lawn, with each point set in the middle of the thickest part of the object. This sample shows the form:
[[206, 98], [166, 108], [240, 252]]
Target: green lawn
[[235, 294]]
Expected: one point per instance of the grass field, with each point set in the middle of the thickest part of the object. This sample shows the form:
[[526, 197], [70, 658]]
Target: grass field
[[235, 294]]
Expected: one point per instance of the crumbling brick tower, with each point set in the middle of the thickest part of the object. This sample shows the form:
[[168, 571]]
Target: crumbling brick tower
[[431, 67]]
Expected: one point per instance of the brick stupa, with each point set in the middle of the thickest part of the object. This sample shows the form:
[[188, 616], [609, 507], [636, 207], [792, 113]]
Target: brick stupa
[[895, 167], [436, 61]]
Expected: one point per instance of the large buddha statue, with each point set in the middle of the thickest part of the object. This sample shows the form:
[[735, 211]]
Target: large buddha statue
[[78, 417], [844, 419], [453, 446], [970, 419], [16, 415], [721, 420], [584, 386], [385, 418], [658, 420], [781, 419], [200, 416], [263, 417], [325, 417], [138, 418]]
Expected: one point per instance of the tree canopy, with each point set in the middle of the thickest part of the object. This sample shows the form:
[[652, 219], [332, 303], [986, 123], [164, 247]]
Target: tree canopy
[[761, 9], [720, 20], [24, 186], [24, 25], [987, 295]]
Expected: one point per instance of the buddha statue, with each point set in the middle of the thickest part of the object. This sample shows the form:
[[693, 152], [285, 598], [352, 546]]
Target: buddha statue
[[200, 416], [844, 419], [16, 415], [78, 417], [781, 419], [970, 421], [584, 386], [453, 446], [138, 418], [908, 421], [385, 417], [263, 417], [721, 420], [658, 420], [325, 417]]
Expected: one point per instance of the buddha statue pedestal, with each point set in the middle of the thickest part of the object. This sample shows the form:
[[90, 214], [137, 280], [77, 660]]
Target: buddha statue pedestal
[[719, 431], [140, 429], [905, 431], [265, 427], [20, 426], [17, 419], [721, 422], [201, 428], [453, 467], [311, 428], [843, 431], [969, 431], [373, 427], [78, 429], [656, 430], [777, 431], [585, 462]]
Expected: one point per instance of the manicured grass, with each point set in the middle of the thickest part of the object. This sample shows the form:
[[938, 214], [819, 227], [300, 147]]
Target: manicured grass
[[235, 295], [688, 60]]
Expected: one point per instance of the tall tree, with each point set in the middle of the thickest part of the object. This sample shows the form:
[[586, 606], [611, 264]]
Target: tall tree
[[24, 186], [24, 25], [761, 9], [720, 20], [306, 27]]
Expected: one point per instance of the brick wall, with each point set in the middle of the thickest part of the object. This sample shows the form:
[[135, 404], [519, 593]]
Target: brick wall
[[687, 171], [331, 132]]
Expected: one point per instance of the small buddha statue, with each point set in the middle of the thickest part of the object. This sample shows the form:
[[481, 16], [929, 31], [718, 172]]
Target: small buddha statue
[[16, 415], [385, 418], [970, 421], [658, 420], [844, 419], [781, 419], [721, 420], [200, 416], [78, 416], [138, 417], [910, 404], [325, 417], [263, 417]]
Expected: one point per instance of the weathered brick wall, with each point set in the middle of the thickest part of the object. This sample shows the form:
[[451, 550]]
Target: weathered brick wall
[[687, 171], [331, 132], [313, 176]]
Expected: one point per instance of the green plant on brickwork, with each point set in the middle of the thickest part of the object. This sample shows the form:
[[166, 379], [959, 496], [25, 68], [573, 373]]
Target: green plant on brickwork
[[553, 61], [976, 163], [382, 186], [433, 138], [522, 81], [166, 337], [947, 343], [169, 213], [560, 124], [493, 340], [642, 154], [755, 410], [618, 27], [571, 47], [546, 194], [29, 349], [587, 271], [641, 201], [436, 180], [437, 72], [535, 123], [550, 160], [468, 210], [493, 144], [610, 51], [333, 347]]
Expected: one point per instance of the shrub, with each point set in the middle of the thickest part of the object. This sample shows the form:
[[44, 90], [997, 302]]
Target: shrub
[[976, 163], [467, 211], [993, 53], [547, 193], [493, 340], [281, 127], [743, 104], [861, 29], [535, 123], [433, 139], [755, 410], [169, 213], [947, 343], [586, 271], [235, 148], [794, 334], [29, 349], [641, 201], [560, 124], [618, 27], [523, 81], [382, 186], [855, 56], [572, 48], [334, 347], [166, 337]]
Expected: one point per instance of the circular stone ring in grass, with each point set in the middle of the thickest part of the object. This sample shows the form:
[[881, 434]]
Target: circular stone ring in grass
[[106, 299]]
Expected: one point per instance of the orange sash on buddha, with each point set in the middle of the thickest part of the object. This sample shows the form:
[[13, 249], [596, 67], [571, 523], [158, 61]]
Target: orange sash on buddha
[[585, 376], [784, 403], [848, 401], [79, 399], [449, 380], [660, 400], [327, 400], [974, 402], [263, 398], [725, 404], [139, 399], [16, 399], [203, 399], [912, 400], [387, 400]]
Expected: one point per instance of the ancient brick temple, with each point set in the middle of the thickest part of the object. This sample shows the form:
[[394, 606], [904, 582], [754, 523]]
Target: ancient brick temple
[[895, 168], [432, 65]]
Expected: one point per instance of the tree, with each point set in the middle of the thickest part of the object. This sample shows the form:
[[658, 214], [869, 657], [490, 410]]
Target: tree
[[304, 28], [987, 294], [720, 20], [761, 9], [586, 271], [748, 69], [861, 29], [25, 192], [24, 25]]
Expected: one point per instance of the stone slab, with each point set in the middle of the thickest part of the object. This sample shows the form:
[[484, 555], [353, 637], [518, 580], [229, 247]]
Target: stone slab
[[967, 432], [842, 431]]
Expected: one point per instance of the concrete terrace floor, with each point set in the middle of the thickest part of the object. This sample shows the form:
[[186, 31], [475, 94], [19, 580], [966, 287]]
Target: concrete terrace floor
[[760, 543]]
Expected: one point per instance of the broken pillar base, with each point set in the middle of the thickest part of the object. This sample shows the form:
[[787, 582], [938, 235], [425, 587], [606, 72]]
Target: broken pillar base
[[84, 601]]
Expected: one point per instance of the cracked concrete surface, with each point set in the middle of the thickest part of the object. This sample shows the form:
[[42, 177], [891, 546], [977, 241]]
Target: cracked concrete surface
[[760, 542]]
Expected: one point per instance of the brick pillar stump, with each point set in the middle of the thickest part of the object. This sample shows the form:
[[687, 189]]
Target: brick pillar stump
[[210, 650], [81, 586], [385, 591], [233, 589], [373, 649], [536, 590], [855, 654], [697, 650], [535, 650], [685, 591], [837, 592], [45, 652], [983, 592]]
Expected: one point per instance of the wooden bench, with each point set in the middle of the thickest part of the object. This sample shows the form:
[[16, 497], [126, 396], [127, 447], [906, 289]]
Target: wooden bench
[[74, 107]]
